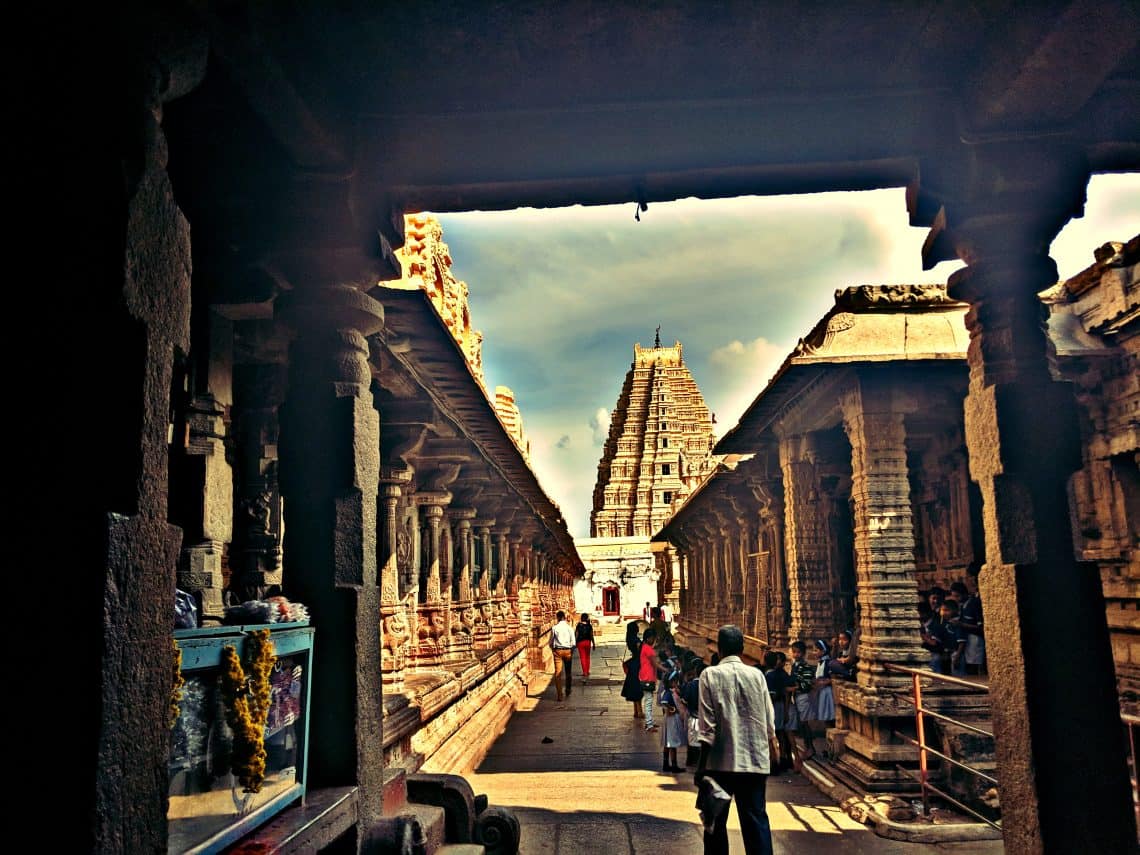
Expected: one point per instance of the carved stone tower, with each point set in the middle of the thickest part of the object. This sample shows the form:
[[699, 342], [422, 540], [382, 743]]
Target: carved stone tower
[[658, 450]]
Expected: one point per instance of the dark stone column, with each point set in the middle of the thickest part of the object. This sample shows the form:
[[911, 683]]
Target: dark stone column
[[806, 543], [1060, 751], [330, 467], [134, 253], [255, 556]]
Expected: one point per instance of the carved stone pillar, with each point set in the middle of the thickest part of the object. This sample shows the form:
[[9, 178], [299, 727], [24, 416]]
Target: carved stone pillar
[[1022, 436], [806, 543], [885, 583], [255, 554], [499, 587], [484, 608], [463, 599], [397, 630], [525, 581], [432, 632], [511, 586], [886, 586], [199, 468], [331, 526]]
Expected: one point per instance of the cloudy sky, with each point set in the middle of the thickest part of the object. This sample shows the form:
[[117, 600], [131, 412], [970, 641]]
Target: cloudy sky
[[562, 295]]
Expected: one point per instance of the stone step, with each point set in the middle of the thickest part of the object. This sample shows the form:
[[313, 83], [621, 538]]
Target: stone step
[[461, 849]]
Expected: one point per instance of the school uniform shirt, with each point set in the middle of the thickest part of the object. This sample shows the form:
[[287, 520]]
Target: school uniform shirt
[[971, 612], [736, 718]]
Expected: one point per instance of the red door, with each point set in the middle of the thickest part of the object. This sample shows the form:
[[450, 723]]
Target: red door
[[611, 601]]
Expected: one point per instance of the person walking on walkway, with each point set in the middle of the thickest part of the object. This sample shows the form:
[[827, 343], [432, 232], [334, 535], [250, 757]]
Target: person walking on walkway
[[562, 643], [584, 639], [631, 686], [738, 739], [647, 674]]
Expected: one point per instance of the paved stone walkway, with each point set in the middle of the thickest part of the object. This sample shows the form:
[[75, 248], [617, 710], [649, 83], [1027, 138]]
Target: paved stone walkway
[[598, 788]]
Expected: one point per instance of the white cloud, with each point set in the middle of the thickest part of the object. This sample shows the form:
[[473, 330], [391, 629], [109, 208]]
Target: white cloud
[[741, 371], [600, 426], [563, 441]]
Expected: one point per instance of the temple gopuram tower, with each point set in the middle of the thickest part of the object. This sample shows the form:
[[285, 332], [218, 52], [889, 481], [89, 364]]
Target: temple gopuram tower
[[659, 447], [658, 451]]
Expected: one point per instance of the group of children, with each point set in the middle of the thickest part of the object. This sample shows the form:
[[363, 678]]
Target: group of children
[[802, 697], [952, 631]]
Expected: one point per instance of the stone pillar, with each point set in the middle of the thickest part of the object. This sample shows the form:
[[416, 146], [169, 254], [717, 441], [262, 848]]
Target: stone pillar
[[1061, 758], [255, 554], [886, 586], [499, 587], [119, 545], [397, 630], [432, 632], [330, 526], [200, 473], [511, 587], [463, 595], [885, 583], [522, 595], [806, 543], [484, 616]]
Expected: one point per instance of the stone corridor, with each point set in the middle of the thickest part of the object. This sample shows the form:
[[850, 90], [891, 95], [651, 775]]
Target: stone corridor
[[598, 788]]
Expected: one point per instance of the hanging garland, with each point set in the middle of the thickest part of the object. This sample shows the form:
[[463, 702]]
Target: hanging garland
[[247, 706], [176, 686]]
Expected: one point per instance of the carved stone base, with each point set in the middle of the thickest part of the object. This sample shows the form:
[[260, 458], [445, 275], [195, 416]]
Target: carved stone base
[[867, 721]]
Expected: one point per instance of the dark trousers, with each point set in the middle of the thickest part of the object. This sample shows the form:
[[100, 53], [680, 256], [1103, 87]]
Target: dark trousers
[[748, 790]]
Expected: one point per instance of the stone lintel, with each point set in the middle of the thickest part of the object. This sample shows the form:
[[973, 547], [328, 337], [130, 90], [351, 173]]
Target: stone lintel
[[432, 498], [461, 514], [483, 523]]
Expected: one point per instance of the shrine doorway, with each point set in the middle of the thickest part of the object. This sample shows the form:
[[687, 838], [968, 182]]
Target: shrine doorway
[[611, 601]]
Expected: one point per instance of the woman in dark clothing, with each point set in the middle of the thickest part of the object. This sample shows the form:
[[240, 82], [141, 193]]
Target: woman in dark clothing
[[631, 688], [584, 641]]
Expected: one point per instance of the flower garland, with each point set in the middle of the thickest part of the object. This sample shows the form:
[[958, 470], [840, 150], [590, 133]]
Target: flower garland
[[176, 686], [247, 707]]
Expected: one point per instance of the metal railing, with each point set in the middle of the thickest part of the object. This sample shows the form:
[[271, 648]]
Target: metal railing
[[921, 713]]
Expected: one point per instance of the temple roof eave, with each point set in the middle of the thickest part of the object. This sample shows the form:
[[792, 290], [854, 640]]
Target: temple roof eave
[[442, 369]]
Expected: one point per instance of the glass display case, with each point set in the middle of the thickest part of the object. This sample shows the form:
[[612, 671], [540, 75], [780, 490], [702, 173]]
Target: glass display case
[[209, 808]]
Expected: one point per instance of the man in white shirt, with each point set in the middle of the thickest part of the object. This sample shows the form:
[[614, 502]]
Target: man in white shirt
[[562, 643], [666, 614], [737, 732]]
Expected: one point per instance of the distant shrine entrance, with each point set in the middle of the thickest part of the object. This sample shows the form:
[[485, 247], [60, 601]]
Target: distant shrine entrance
[[611, 601]]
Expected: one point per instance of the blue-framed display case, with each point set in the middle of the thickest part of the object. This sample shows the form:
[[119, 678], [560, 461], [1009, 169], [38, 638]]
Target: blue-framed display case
[[208, 808]]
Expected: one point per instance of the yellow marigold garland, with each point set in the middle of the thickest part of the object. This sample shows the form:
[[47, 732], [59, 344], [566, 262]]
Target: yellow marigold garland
[[176, 686], [247, 707]]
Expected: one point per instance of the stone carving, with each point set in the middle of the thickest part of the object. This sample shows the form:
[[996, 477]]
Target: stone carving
[[426, 262], [404, 539], [868, 296], [395, 636]]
